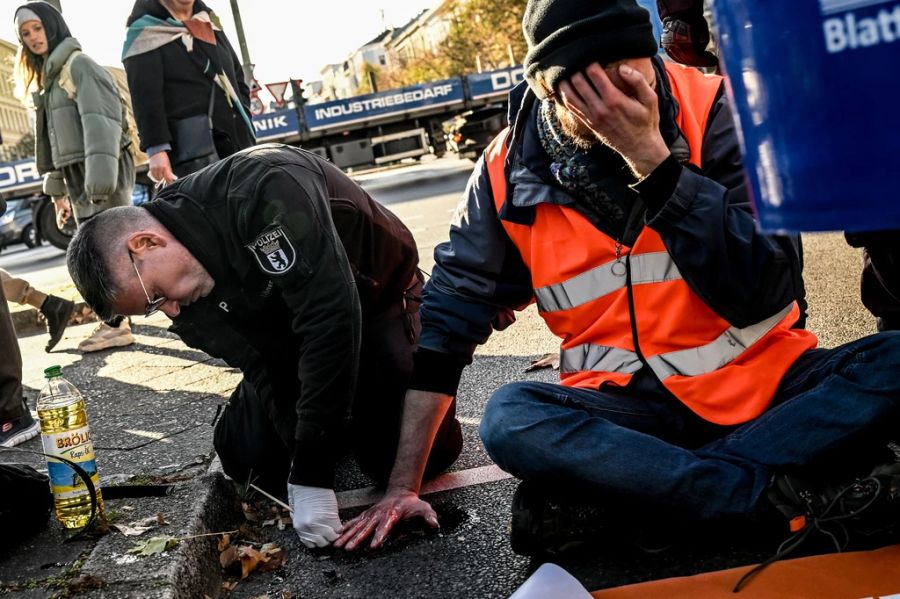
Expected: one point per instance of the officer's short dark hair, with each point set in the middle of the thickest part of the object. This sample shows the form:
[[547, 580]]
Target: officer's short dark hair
[[93, 249]]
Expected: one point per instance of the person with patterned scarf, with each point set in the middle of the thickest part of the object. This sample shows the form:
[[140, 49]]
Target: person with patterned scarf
[[176, 55]]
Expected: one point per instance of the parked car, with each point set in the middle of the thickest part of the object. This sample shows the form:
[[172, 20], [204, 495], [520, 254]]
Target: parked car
[[17, 225]]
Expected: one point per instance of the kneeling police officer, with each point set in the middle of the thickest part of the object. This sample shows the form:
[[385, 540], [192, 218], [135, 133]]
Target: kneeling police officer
[[276, 262]]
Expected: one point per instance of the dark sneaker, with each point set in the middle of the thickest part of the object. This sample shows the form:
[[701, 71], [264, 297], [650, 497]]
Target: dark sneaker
[[856, 513], [542, 524], [14, 432], [685, 39], [57, 311], [863, 507]]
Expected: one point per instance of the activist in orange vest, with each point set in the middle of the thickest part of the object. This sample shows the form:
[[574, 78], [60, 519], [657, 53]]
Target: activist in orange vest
[[616, 202]]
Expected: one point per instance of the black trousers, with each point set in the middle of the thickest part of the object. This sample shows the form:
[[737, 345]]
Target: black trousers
[[251, 448], [11, 402]]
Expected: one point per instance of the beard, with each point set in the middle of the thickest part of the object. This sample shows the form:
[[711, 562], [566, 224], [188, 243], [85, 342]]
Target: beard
[[576, 131]]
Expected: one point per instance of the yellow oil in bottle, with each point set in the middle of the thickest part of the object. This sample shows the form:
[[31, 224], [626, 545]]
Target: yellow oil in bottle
[[65, 433]]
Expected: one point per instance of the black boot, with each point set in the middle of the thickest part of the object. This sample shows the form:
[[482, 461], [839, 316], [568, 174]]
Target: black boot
[[57, 311], [550, 522]]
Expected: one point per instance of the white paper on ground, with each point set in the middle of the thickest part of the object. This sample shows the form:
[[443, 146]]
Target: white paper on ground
[[551, 582]]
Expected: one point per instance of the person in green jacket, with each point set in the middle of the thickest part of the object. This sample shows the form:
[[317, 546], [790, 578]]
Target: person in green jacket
[[81, 133]]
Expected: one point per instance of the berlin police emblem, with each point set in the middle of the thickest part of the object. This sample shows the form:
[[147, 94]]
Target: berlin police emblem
[[273, 251]]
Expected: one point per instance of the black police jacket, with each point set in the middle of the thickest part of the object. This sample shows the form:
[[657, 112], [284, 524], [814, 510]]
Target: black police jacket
[[301, 256]]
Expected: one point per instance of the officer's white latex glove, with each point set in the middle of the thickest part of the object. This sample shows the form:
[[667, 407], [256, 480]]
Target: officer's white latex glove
[[315, 514]]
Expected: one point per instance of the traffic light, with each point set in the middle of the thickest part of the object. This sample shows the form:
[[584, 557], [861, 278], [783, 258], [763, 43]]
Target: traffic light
[[297, 93]]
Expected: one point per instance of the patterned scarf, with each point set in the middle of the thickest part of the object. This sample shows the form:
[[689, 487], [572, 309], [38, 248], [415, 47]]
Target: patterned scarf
[[598, 179], [149, 33]]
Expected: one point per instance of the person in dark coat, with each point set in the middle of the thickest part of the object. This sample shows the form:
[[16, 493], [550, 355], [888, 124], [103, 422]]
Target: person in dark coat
[[278, 263], [176, 56]]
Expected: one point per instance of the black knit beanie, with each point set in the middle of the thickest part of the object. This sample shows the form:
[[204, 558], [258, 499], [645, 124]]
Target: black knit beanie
[[565, 36]]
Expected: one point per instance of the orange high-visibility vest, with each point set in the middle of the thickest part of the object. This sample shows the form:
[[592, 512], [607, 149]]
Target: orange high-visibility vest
[[725, 374]]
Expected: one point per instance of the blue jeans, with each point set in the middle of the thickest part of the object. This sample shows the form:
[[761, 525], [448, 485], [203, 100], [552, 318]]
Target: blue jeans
[[640, 444]]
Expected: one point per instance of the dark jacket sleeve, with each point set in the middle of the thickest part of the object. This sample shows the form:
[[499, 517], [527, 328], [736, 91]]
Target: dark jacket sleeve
[[706, 222], [478, 280], [145, 81], [318, 288], [243, 89]]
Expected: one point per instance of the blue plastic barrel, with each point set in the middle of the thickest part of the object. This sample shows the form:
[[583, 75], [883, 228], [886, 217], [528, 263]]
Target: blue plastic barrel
[[817, 89]]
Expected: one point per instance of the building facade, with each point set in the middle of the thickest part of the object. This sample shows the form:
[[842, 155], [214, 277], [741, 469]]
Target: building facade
[[15, 121]]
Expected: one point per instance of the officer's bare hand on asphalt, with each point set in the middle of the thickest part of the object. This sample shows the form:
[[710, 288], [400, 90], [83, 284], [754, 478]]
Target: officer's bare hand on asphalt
[[381, 518], [621, 108]]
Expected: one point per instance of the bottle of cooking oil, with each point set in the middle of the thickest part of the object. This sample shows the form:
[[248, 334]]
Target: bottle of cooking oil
[[65, 433]]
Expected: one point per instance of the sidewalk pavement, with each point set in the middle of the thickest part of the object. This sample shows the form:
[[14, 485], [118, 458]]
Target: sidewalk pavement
[[150, 408]]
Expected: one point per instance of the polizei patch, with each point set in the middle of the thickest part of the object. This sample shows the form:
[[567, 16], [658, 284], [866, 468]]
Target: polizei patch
[[274, 252]]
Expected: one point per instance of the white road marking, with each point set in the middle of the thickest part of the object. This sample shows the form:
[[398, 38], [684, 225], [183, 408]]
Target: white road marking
[[444, 482], [469, 421]]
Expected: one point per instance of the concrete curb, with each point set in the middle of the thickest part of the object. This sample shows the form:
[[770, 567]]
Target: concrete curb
[[30, 321], [189, 570]]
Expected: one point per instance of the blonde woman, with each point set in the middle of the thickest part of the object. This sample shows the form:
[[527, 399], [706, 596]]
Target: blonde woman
[[81, 140]]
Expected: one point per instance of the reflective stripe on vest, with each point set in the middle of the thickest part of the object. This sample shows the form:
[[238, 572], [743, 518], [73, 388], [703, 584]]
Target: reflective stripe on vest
[[723, 350], [655, 267], [693, 361]]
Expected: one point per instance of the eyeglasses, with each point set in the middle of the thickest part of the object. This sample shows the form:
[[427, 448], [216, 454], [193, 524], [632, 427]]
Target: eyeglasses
[[153, 305]]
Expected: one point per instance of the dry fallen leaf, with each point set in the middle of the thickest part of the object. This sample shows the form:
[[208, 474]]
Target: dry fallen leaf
[[227, 557], [129, 530], [250, 559], [271, 522], [249, 511], [224, 542], [274, 557], [229, 586], [546, 361], [154, 545], [139, 527], [284, 522]]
